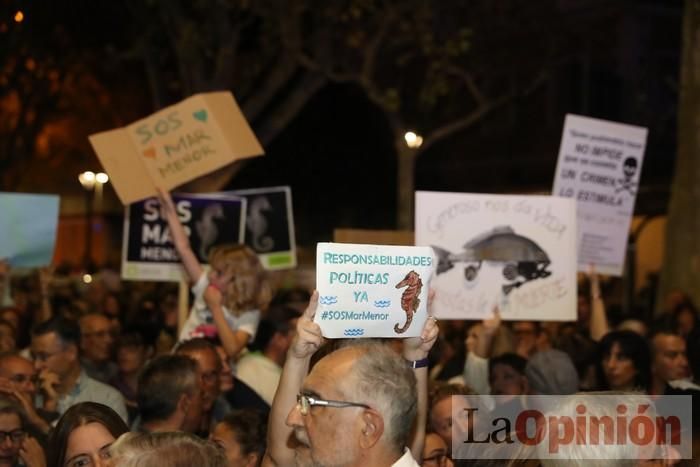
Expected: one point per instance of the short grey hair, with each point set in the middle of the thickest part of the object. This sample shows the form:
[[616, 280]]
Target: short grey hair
[[165, 449], [388, 384], [161, 384]]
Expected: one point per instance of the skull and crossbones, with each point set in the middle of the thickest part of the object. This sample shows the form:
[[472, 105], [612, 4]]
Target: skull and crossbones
[[629, 170]]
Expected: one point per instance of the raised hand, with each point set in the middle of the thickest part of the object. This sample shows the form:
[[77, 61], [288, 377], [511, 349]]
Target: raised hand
[[31, 453], [417, 348], [308, 337]]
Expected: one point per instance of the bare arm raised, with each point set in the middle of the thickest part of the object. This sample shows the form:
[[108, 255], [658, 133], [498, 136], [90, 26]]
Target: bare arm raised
[[182, 242], [306, 342]]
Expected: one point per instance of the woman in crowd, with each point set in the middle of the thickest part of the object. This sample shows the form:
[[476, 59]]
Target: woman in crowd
[[623, 362], [16, 446], [241, 434], [84, 435]]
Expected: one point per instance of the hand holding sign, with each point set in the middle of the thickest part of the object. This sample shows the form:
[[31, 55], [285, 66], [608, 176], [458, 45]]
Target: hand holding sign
[[372, 290], [308, 337], [417, 348]]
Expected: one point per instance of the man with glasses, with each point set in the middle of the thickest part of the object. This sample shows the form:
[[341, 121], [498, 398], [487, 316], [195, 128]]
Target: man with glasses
[[16, 447], [356, 408], [361, 405], [57, 360], [97, 347]]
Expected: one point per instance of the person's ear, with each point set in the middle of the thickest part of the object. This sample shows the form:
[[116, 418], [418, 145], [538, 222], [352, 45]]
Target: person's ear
[[72, 351], [183, 404], [372, 427], [252, 459]]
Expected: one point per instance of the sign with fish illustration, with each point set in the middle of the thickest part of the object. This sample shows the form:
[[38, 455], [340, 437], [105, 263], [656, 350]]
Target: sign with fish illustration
[[372, 290], [270, 225], [514, 252], [175, 145], [600, 164], [148, 252]]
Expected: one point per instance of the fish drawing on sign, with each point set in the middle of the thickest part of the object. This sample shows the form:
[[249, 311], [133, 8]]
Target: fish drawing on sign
[[206, 228], [257, 224], [409, 298], [523, 259]]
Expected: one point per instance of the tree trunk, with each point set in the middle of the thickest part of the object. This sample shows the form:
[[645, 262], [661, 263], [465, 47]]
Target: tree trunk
[[681, 268]]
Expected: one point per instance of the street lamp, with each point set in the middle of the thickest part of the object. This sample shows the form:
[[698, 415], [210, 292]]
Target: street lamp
[[406, 173], [91, 182]]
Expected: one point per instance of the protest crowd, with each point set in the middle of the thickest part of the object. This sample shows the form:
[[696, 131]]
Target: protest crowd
[[99, 374]]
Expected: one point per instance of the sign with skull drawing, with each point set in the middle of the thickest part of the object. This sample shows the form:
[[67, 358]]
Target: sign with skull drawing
[[514, 252], [599, 166], [372, 290]]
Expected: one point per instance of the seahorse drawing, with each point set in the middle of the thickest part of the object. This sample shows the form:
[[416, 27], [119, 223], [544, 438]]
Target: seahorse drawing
[[206, 227], [409, 298], [257, 224]]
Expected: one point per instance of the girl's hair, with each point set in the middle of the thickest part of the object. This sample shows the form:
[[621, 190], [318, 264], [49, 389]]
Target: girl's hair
[[249, 428], [165, 449], [632, 346], [243, 265], [81, 414]]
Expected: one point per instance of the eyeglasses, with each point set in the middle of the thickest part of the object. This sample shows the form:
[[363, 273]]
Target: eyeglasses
[[438, 459], [305, 402], [16, 436]]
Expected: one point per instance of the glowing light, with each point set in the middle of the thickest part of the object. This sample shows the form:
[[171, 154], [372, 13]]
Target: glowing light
[[87, 179], [413, 140], [19, 16], [102, 177], [87, 278]]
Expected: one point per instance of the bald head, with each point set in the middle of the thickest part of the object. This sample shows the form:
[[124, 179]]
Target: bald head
[[19, 372]]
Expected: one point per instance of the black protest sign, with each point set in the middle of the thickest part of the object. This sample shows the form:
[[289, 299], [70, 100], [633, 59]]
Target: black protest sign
[[209, 220]]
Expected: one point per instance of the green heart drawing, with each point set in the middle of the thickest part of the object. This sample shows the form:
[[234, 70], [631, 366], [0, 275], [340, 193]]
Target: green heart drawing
[[200, 115]]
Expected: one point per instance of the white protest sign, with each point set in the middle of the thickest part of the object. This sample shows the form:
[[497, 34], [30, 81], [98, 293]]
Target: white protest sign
[[372, 290], [599, 165], [514, 252]]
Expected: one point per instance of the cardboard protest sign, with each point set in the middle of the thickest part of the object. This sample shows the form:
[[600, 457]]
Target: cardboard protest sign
[[28, 225], [148, 252], [599, 166], [514, 252], [372, 290], [175, 145], [270, 226]]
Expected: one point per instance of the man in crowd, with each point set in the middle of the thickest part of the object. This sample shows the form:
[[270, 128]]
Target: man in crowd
[[208, 363], [170, 395], [57, 360], [18, 382], [668, 360], [97, 346], [261, 368], [356, 408]]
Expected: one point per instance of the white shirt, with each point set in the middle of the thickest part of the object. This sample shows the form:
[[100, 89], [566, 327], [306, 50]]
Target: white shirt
[[406, 460], [200, 322], [260, 373]]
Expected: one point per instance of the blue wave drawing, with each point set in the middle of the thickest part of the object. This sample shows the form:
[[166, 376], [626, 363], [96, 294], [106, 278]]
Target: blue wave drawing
[[329, 300], [382, 303], [354, 332]]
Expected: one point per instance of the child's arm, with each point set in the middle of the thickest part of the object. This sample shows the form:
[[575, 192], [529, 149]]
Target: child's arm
[[182, 242], [232, 340]]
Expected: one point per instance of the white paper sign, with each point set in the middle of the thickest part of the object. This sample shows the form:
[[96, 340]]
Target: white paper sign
[[372, 290], [514, 252], [599, 166]]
